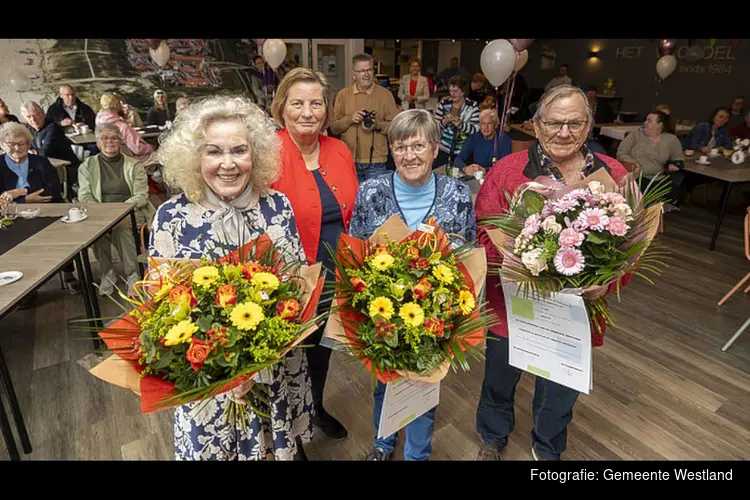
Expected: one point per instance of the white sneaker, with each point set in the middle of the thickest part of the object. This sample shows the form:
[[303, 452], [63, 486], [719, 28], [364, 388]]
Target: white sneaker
[[107, 285]]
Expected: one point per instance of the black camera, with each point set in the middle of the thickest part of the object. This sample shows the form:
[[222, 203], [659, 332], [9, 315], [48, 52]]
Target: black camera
[[368, 120]]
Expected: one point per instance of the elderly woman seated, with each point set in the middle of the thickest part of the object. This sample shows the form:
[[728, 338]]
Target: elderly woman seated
[[655, 150], [485, 147], [112, 112], [112, 177], [415, 194], [26, 178]]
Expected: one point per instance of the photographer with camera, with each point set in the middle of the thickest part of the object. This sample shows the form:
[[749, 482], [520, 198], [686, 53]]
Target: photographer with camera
[[361, 116]]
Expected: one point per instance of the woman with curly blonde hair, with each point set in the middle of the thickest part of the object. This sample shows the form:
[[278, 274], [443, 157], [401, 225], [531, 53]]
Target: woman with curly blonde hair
[[223, 154]]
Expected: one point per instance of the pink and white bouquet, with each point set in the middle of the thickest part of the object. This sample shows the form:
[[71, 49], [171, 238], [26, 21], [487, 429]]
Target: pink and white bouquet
[[595, 233]]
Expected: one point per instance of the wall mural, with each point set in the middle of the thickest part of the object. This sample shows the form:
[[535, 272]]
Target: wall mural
[[34, 69]]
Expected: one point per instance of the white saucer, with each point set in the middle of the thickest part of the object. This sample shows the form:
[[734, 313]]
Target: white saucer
[[8, 277], [68, 221], [707, 162]]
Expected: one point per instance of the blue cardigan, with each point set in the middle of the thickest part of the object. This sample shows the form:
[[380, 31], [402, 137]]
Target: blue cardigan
[[701, 134], [452, 207], [481, 151]]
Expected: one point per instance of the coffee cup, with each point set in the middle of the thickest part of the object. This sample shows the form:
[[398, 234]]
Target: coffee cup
[[84, 129], [715, 152], [75, 214], [703, 159], [479, 175]]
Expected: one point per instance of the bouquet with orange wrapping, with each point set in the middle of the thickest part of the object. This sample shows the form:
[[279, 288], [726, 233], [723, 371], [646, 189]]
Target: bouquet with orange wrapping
[[200, 328], [407, 304]]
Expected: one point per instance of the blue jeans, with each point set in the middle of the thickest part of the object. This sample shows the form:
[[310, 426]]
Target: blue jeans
[[552, 405], [418, 433], [369, 170]]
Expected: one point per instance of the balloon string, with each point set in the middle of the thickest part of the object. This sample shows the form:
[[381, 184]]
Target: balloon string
[[509, 87]]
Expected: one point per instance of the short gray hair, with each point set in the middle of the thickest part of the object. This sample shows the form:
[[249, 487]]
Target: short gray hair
[[489, 112], [31, 105], [411, 123], [107, 127], [183, 100], [11, 130], [559, 92]]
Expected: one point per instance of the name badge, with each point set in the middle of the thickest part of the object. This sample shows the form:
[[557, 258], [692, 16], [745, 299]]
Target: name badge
[[426, 228]]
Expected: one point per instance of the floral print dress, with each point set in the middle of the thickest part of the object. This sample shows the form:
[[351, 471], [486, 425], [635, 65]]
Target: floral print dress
[[183, 229]]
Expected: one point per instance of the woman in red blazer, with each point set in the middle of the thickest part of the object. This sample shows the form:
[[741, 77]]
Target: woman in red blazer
[[319, 178]]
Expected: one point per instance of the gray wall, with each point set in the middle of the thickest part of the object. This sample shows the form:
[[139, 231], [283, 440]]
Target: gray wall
[[692, 91]]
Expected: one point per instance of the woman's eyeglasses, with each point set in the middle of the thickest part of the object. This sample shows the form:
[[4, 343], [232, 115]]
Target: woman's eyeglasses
[[417, 148]]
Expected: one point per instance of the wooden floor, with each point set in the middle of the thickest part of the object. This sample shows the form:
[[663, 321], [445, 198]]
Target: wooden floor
[[663, 389]]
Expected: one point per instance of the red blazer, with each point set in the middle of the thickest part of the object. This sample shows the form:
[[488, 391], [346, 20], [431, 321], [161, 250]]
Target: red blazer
[[507, 174], [298, 184]]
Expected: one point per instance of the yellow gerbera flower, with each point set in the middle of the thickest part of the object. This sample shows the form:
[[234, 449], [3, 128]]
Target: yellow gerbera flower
[[205, 276], [466, 301], [382, 261], [265, 281], [412, 314], [443, 273], [180, 333], [381, 306], [247, 316]]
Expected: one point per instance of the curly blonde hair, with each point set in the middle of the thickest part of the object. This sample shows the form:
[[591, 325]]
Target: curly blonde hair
[[180, 148]]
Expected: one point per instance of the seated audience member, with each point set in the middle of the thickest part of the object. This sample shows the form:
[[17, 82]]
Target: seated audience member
[[601, 112], [5, 115], [742, 131], [711, 134], [736, 112], [112, 177], [112, 112], [563, 78], [181, 104], [664, 108], [655, 150], [489, 102], [484, 148], [159, 114], [69, 110], [50, 141], [458, 118], [131, 114], [27, 178], [479, 88]]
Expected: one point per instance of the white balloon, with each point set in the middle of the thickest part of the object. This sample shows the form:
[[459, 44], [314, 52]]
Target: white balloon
[[161, 54], [274, 52], [498, 61], [665, 66], [523, 58], [17, 80]]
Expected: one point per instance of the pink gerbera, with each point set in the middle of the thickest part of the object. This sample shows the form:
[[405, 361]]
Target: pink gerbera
[[531, 226], [594, 218], [617, 226], [571, 238], [569, 261]]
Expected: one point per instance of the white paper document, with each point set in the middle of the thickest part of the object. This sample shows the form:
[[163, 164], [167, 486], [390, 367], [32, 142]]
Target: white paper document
[[550, 338], [404, 401]]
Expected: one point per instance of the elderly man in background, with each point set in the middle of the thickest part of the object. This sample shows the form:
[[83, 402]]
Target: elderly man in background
[[485, 147], [361, 116], [50, 141], [561, 79], [181, 104], [68, 110], [561, 123]]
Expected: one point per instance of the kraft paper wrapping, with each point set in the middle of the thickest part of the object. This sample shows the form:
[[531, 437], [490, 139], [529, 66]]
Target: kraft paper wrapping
[[123, 373], [397, 230]]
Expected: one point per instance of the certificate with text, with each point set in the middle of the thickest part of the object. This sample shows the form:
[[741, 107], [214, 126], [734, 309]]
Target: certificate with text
[[406, 400], [550, 337]]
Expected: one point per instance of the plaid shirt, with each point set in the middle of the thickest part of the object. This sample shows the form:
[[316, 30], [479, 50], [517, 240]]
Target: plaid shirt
[[550, 168]]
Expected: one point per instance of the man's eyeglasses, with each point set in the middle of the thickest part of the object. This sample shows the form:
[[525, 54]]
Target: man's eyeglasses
[[575, 126], [361, 71], [417, 148]]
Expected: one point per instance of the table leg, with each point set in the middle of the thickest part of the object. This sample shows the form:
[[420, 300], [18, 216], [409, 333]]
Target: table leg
[[15, 409], [137, 239], [10, 441], [722, 207], [92, 294], [88, 291]]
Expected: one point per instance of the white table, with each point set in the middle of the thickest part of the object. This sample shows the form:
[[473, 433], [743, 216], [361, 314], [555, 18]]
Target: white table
[[620, 131]]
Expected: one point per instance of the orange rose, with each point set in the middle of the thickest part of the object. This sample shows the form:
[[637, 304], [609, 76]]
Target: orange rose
[[182, 293], [435, 326], [288, 309], [359, 285], [226, 295], [422, 288], [250, 268], [197, 353], [412, 253]]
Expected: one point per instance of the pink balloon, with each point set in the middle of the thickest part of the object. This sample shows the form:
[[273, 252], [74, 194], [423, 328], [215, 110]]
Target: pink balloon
[[521, 44]]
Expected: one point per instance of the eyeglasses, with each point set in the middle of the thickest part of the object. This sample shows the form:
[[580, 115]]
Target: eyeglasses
[[575, 126], [417, 148], [360, 71], [110, 139], [19, 145]]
